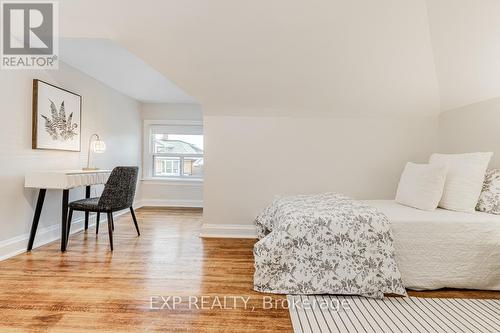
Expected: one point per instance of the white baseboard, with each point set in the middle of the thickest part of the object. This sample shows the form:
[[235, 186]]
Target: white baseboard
[[16, 245], [228, 231], [170, 203]]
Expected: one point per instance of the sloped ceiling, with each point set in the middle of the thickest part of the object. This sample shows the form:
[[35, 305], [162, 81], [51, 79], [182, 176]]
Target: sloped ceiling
[[277, 57], [466, 41], [118, 68]]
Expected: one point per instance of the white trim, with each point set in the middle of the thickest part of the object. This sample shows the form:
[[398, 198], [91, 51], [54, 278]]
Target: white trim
[[147, 161], [137, 204], [173, 182], [171, 203], [228, 231], [17, 245]]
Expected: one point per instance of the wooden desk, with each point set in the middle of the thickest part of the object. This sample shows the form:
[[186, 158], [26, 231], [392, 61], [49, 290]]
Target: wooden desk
[[61, 180]]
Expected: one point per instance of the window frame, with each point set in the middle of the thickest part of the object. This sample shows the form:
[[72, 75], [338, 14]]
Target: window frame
[[149, 127]]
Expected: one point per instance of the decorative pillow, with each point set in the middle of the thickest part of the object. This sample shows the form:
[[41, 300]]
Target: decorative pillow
[[489, 200], [421, 185], [464, 180]]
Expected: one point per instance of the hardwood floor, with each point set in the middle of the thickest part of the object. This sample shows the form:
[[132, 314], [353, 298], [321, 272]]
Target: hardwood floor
[[88, 288]]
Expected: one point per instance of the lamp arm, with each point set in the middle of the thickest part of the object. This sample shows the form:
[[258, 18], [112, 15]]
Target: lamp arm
[[90, 148]]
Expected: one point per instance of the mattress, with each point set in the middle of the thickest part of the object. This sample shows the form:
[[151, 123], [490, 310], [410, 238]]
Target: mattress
[[444, 249]]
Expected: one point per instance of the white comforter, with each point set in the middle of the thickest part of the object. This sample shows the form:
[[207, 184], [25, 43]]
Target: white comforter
[[444, 248]]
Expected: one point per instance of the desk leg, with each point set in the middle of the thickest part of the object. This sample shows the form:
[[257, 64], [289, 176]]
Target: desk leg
[[64, 219], [36, 217], [87, 195]]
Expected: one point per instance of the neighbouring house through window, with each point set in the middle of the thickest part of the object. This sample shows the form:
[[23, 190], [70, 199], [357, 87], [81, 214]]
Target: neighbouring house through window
[[175, 151]]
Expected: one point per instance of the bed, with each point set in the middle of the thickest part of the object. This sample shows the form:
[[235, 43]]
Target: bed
[[331, 244], [444, 248]]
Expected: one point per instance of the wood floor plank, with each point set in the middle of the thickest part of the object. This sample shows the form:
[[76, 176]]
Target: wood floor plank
[[89, 288]]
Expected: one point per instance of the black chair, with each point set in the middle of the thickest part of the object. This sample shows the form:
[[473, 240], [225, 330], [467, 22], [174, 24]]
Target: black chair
[[118, 194]]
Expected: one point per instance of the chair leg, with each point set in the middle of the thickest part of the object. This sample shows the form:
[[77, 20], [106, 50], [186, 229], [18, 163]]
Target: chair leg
[[135, 221], [98, 217], [70, 217], [110, 229], [87, 214], [113, 225]]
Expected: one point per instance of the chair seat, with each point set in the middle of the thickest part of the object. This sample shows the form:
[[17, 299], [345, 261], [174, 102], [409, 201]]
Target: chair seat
[[86, 204]]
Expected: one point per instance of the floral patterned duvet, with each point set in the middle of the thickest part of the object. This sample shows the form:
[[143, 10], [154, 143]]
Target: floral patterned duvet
[[325, 244]]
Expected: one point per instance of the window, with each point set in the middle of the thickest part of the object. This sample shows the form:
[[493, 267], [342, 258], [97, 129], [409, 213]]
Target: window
[[167, 166], [174, 151]]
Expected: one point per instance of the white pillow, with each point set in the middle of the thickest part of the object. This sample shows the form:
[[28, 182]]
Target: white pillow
[[421, 185], [464, 180]]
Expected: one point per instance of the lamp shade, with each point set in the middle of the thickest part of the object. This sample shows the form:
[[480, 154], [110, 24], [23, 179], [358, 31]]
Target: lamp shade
[[98, 146]]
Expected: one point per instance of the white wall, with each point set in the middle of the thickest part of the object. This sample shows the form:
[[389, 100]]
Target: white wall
[[248, 58], [475, 127], [465, 35], [249, 160], [115, 117], [171, 111], [161, 193], [155, 192]]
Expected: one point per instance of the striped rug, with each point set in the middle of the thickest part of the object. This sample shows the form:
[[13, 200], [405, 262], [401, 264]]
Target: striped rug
[[355, 314]]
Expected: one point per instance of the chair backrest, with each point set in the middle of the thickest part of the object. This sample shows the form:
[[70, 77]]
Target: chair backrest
[[119, 190]]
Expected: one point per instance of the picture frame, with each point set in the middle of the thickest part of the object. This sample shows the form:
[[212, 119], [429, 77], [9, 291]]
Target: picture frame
[[56, 118]]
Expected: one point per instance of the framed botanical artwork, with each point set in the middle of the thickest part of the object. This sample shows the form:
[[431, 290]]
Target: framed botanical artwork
[[57, 115]]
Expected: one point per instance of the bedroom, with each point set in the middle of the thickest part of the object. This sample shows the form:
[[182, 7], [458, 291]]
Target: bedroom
[[290, 98]]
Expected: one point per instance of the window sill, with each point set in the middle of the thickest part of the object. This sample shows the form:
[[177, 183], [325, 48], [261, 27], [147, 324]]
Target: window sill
[[172, 181]]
